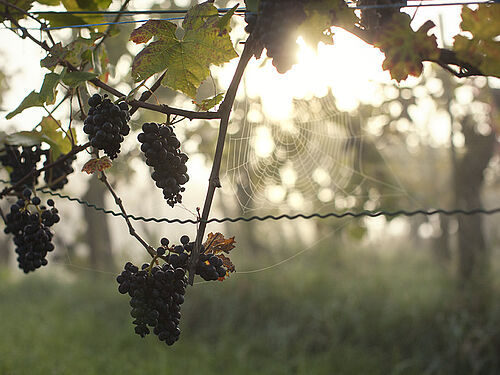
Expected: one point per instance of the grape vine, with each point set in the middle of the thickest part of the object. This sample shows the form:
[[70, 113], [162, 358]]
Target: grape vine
[[182, 59]]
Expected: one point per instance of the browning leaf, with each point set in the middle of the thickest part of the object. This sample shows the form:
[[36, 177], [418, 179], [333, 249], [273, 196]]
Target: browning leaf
[[227, 262], [483, 50], [404, 48], [217, 244], [97, 165]]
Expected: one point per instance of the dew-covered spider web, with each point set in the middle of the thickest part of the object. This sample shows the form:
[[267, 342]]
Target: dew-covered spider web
[[314, 159]]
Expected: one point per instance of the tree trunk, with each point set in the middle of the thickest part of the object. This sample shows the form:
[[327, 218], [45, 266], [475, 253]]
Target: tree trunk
[[98, 237], [471, 242]]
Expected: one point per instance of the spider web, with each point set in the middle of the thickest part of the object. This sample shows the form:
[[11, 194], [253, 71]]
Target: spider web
[[310, 160]]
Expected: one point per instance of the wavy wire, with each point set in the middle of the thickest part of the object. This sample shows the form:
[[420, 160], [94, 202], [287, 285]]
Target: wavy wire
[[456, 211]]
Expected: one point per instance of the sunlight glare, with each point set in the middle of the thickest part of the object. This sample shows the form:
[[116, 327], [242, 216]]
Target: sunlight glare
[[350, 68]]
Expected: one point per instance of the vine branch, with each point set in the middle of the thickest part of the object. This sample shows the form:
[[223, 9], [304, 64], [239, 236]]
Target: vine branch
[[148, 93], [214, 180], [447, 58], [119, 203]]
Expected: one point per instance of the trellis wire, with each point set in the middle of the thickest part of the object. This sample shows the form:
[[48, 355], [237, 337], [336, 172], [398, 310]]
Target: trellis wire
[[316, 215], [222, 10], [243, 10]]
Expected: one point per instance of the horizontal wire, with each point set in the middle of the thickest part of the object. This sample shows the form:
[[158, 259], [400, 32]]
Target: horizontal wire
[[456, 211], [124, 12], [222, 10], [243, 10]]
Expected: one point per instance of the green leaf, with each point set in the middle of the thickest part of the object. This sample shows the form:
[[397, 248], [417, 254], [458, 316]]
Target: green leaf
[[209, 103], [252, 6], [74, 79], [483, 50], [47, 95], [78, 50], [404, 48], [187, 60], [59, 20], [225, 20], [24, 138], [16, 14], [49, 2], [57, 53]]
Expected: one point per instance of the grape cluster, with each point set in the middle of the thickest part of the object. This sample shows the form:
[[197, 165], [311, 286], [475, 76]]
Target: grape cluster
[[161, 148], [157, 294], [32, 236], [56, 177], [275, 27], [106, 124], [21, 161], [210, 267]]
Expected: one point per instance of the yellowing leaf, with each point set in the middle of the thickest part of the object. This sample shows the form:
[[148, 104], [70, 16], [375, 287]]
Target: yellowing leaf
[[483, 23], [216, 243], [52, 134], [97, 165], [483, 50], [47, 95], [404, 48], [205, 42]]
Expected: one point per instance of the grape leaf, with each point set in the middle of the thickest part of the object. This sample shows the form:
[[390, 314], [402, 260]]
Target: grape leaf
[[97, 165], [226, 262], [252, 6], [47, 95], [209, 103], [77, 52], [76, 78], [57, 53], [483, 50], [321, 15], [216, 243], [404, 48], [205, 42], [49, 2], [59, 20], [14, 13], [52, 133]]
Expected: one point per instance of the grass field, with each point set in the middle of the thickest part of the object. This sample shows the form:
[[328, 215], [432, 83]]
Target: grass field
[[346, 314]]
